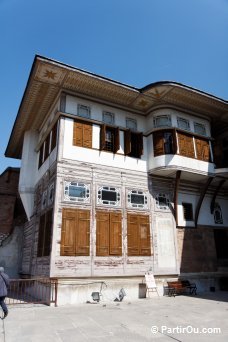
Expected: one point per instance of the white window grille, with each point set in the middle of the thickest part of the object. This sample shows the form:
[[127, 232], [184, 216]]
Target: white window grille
[[199, 128], [84, 111], [183, 124], [108, 118], [162, 121], [137, 199], [76, 192], [162, 201], [131, 124], [107, 195]]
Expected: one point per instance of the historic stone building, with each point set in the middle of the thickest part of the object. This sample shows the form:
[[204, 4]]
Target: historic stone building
[[116, 181]]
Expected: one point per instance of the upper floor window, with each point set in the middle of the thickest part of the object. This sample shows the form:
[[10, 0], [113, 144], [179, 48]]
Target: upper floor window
[[162, 121], [131, 124], [84, 111], [76, 192], [108, 118], [162, 201], [187, 211], [82, 134], [109, 139], [48, 145], [108, 195], [199, 128], [44, 200], [183, 124], [133, 144], [137, 199], [51, 190], [164, 143]]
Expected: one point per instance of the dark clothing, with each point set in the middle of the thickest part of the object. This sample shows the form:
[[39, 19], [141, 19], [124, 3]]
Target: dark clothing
[[4, 283]]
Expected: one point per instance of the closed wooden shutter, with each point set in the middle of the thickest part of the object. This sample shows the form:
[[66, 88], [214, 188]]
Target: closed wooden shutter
[[186, 147], [75, 236], [116, 139], [115, 234], [144, 235], [127, 142], [158, 141], [102, 137], [82, 233], [102, 235], [202, 149], [78, 134], [48, 233], [41, 236], [87, 135], [138, 234], [69, 219], [133, 245], [54, 136]]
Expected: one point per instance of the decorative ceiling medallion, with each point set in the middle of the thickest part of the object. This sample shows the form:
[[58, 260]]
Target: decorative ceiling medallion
[[50, 74], [143, 103]]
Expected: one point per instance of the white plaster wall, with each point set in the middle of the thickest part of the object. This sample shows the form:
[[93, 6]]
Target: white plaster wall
[[97, 110], [100, 157]]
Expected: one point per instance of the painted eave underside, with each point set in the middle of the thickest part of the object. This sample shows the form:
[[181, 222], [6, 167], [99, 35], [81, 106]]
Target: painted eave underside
[[48, 78]]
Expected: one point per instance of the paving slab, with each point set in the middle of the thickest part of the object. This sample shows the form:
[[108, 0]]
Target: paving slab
[[161, 319]]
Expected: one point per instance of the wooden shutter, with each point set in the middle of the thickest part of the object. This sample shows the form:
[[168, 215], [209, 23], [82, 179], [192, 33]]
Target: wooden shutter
[[144, 235], [102, 137], [115, 234], [87, 135], [54, 136], [41, 236], [116, 139], [102, 236], [202, 149], [78, 134], [127, 141], [82, 233], [69, 218], [140, 144], [186, 147], [132, 235], [158, 141], [48, 232]]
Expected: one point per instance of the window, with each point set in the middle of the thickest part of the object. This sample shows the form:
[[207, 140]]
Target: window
[[44, 239], [82, 134], [199, 128], [131, 124], [83, 111], [202, 149], [41, 155], [48, 145], [108, 233], [54, 136], [75, 234], [137, 199], [218, 214], [133, 144], [186, 146], [108, 118], [138, 235], [162, 121], [76, 192], [162, 201], [183, 124], [164, 143], [44, 200], [51, 190], [109, 139], [187, 211], [108, 196]]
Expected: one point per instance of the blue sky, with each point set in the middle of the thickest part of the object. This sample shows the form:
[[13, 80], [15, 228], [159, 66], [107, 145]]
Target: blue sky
[[132, 41]]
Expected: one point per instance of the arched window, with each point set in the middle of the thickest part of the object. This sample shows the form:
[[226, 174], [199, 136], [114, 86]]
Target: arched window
[[218, 214]]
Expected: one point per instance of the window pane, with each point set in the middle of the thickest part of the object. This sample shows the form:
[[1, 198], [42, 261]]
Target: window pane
[[162, 121], [84, 111], [199, 128], [77, 191], [108, 118], [108, 196], [132, 124], [137, 199], [183, 124]]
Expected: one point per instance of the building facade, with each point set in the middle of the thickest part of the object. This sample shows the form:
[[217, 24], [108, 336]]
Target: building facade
[[117, 181]]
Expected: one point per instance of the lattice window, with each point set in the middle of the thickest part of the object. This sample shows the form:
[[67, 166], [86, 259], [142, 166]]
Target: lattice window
[[162, 201], [162, 121], [84, 111], [199, 128], [108, 118], [183, 124], [76, 192], [107, 195], [137, 199], [131, 124], [187, 211]]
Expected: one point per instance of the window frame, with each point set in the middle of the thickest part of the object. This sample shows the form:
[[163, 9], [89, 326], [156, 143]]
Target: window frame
[[179, 120], [184, 208], [45, 234], [156, 118], [82, 106], [116, 138], [112, 115], [100, 201], [167, 199], [137, 205], [132, 128], [78, 184], [199, 125]]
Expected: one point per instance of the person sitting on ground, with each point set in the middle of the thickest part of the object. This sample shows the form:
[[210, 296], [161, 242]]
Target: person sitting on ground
[[4, 283]]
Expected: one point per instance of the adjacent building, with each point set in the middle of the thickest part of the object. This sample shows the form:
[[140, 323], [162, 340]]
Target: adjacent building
[[116, 181]]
